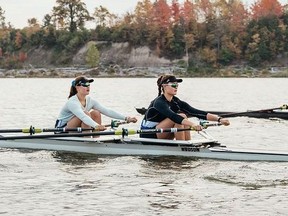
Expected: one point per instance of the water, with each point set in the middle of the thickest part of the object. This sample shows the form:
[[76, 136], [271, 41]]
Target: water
[[53, 183]]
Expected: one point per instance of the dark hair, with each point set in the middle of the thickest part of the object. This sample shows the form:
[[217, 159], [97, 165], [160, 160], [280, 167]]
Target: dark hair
[[73, 91], [159, 84]]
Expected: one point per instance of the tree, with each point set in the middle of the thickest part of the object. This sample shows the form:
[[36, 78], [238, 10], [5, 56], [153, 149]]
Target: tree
[[92, 55], [103, 17], [33, 22], [175, 11], [262, 8], [18, 40], [162, 14], [2, 18], [71, 14]]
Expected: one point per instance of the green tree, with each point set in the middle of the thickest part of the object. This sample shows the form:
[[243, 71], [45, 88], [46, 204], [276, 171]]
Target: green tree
[[71, 14], [2, 18], [92, 55]]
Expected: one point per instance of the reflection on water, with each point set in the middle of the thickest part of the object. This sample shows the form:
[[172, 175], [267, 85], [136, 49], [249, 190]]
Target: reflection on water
[[155, 162], [75, 159], [170, 162]]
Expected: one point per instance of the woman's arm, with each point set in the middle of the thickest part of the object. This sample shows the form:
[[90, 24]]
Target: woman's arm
[[213, 117], [77, 110], [106, 111]]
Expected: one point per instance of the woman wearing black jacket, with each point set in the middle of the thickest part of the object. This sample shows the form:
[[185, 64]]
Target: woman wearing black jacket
[[168, 111]]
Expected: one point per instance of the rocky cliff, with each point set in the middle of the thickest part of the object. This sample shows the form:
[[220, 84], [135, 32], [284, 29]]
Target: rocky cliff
[[116, 59], [121, 54]]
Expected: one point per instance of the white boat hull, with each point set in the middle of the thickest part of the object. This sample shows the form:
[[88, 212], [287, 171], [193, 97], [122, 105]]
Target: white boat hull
[[137, 146]]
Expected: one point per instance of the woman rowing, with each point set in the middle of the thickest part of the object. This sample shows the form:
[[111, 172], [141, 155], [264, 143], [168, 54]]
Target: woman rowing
[[83, 111], [168, 111]]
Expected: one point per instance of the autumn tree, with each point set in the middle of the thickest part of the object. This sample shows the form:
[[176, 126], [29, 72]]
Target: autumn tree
[[143, 20], [71, 14], [144, 13], [175, 11], [232, 18], [162, 14], [188, 21], [161, 24], [263, 8]]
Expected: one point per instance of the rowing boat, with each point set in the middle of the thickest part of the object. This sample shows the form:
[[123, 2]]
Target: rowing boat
[[265, 114], [117, 145]]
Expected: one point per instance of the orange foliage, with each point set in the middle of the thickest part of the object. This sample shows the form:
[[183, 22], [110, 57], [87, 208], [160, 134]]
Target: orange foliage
[[162, 13], [188, 11], [238, 17], [263, 8], [175, 8]]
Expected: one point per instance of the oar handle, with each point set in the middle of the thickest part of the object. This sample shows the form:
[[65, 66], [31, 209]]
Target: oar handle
[[205, 124], [116, 123]]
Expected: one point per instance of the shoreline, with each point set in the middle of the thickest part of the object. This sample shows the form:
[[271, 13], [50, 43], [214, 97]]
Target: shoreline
[[146, 72]]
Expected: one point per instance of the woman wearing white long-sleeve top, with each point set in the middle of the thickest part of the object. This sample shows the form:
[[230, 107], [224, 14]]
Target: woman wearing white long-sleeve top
[[83, 111]]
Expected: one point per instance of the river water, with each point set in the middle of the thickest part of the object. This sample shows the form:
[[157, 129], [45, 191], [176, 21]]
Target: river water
[[54, 183]]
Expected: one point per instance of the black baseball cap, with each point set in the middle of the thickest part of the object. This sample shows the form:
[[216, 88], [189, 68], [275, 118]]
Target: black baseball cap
[[170, 78], [81, 79]]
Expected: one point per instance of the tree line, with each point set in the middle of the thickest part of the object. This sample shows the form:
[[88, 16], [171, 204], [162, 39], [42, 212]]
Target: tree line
[[204, 33]]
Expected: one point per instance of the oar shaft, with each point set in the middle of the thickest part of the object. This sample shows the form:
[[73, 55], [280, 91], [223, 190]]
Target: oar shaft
[[126, 132], [39, 130], [42, 136], [123, 132], [33, 130], [232, 114]]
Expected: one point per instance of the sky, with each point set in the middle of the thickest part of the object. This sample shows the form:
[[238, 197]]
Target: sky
[[17, 12]]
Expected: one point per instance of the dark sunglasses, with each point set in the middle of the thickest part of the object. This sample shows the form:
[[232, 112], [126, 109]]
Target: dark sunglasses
[[87, 84], [173, 85]]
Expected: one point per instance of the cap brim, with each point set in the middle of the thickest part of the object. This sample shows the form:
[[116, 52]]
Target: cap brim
[[90, 80], [179, 80]]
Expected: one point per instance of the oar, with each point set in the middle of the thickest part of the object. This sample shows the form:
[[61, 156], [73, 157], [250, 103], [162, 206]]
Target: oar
[[283, 107], [123, 132], [230, 114], [32, 130]]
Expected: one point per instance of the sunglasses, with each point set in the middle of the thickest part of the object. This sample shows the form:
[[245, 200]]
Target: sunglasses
[[173, 85], [87, 84]]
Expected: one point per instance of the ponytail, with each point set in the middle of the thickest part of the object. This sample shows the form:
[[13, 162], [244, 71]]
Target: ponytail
[[73, 91], [159, 83]]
